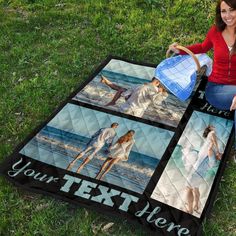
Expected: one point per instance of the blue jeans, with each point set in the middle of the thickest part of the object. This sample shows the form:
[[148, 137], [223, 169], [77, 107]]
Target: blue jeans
[[220, 96]]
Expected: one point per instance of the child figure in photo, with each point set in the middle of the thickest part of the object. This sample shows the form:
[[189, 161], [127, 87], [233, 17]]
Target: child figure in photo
[[118, 152], [206, 159], [137, 98], [98, 140]]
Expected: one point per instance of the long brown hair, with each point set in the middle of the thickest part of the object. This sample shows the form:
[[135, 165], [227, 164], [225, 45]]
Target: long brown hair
[[161, 86], [126, 137], [207, 130], [220, 24]]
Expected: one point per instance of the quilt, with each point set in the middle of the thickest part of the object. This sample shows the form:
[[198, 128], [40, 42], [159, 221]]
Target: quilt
[[124, 145]]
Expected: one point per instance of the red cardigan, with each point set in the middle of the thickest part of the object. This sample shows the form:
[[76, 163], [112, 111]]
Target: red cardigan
[[224, 64]]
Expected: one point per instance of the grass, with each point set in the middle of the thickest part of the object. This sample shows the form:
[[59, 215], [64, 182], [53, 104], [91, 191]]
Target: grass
[[48, 48]]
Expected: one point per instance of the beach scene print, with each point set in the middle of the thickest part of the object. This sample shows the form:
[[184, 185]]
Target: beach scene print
[[129, 88], [102, 146], [188, 177]]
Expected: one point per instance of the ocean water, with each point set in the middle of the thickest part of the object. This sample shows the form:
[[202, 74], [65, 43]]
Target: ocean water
[[76, 140], [58, 147], [124, 80]]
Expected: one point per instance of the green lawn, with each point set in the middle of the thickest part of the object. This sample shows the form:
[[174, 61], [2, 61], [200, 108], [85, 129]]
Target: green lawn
[[47, 49]]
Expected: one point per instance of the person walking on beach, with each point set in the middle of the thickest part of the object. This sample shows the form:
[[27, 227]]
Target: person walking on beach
[[137, 98], [98, 140], [206, 159], [119, 151]]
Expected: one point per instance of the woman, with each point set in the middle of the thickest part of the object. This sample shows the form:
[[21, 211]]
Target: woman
[[118, 152], [206, 159], [221, 86]]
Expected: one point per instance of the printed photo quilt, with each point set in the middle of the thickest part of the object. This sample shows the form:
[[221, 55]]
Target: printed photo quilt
[[123, 144]]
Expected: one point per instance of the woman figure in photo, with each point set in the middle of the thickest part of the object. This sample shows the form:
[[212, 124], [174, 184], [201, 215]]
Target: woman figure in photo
[[137, 98], [119, 151], [206, 159], [221, 86]]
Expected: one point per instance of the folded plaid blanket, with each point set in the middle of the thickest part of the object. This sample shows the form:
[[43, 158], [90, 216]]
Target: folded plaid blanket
[[178, 74]]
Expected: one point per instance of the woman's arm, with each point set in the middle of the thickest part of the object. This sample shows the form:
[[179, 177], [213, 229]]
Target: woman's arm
[[203, 47], [214, 140], [128, 149], [215, 144]]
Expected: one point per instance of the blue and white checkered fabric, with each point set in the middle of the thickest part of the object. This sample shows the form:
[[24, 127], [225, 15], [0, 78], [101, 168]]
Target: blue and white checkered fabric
[[178, 74]]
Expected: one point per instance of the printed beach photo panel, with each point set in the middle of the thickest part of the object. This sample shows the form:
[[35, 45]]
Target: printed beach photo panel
[[70, 132], [166, 108], [190, 172]]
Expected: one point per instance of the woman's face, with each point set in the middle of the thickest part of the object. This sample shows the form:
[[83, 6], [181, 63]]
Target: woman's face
[[131, 133], [228, 14], [212, 127]]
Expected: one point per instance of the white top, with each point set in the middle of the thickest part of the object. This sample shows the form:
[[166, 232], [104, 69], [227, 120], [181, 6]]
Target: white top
[[203, 152], [121, 151], [189, 158], [198, 179], [140, 98], [103, 136], [230, 48]]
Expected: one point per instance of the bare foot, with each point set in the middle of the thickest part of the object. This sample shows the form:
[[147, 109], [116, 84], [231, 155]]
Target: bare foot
[[104, 80], [110, 104], [98, 176], [219, 156], [196, 209], [188, 210], [70, 166]]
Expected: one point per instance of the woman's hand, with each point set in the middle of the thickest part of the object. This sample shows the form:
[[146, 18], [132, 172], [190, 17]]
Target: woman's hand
[[233, 105], [218, 156], [173, 48]]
